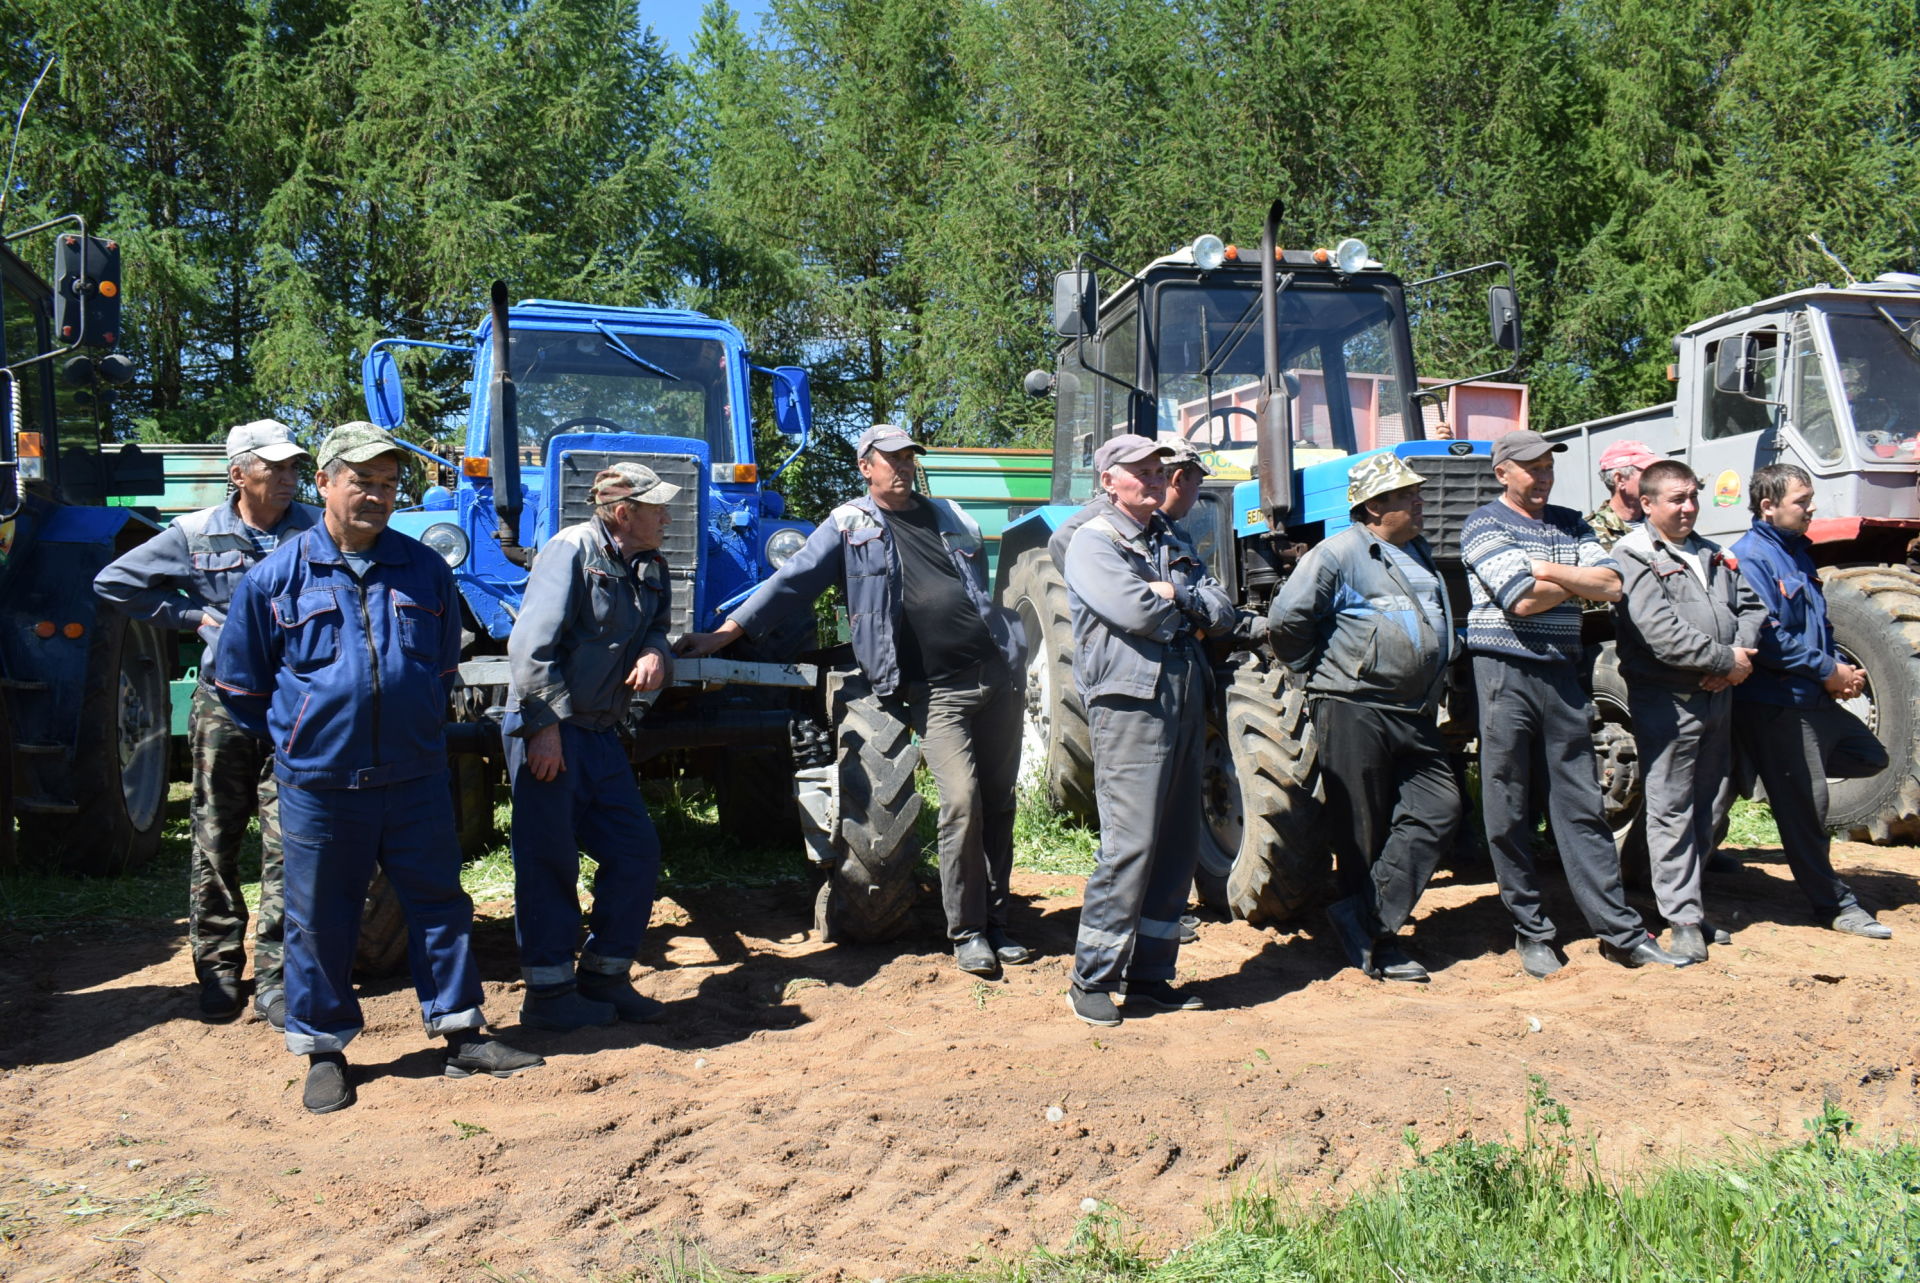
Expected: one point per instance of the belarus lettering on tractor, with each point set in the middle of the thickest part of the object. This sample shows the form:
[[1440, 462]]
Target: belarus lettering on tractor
[[793, 742], [1283, 367], [1827, 378]]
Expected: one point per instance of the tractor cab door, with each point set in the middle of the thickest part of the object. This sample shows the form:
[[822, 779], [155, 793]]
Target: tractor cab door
[[1736, 426]]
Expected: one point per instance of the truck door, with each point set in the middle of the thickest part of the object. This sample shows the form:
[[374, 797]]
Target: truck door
[[1735, 433]]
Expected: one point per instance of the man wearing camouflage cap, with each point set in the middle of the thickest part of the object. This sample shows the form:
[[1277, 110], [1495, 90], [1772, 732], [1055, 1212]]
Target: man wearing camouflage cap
[[592, 630], [341, 650], [1365, 617], [184, 578]]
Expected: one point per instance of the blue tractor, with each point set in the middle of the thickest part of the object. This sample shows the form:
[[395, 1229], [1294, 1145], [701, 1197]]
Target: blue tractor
[[84, 716], [1283, 367], [787, 733]]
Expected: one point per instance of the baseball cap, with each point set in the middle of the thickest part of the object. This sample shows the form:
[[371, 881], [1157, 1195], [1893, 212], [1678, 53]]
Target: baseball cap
[[1522, 446], [1128, 447], [1376, 475], [1627, 454], [631, 481], [269, 439], [1184, 455], [886, 438], [355, 442]]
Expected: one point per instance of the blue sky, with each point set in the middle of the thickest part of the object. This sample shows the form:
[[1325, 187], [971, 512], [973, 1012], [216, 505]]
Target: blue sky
[[675, 21]]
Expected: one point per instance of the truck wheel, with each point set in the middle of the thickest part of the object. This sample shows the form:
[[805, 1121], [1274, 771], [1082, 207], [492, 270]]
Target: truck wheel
[[1056, 745], [382, 950], [870, 889], [1875, 612], [119, 770], [1225, 823], [753, 794], [1284, 857], [1618, 760]]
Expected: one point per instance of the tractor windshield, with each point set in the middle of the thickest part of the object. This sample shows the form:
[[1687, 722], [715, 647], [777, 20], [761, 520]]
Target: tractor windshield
[[1337, 348], [1880, 378], [586, 382]]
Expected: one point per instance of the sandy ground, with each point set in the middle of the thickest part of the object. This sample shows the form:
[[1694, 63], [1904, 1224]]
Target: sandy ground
[[862, 1112]]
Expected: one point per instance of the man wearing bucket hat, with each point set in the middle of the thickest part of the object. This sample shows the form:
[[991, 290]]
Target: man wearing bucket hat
[[1620, 467], [592, 630], [1529, 565], [341, 650], [1365, 617], [1142, 601], [184, 578], [925, 631]]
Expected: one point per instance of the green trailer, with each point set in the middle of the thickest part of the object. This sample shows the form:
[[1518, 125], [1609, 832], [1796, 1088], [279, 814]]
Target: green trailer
[[995, 487]]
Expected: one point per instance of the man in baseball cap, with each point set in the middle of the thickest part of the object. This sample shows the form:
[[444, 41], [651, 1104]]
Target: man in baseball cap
[[184, 578], [1620, 467], [1366, 618]]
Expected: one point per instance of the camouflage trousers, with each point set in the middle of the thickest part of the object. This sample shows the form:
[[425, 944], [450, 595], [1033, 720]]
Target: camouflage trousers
[[232, 780]]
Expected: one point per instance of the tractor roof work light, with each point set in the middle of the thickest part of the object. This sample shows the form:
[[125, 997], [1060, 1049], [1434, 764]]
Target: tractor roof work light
[[1209, 252], [1350, 256]]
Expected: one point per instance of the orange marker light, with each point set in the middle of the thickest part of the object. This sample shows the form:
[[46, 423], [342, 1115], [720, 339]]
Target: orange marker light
[[745, 474], [481, 468], [73, 631], [108, 289], [43, 629], [1233, 253], [1322, 257], [30, 445]]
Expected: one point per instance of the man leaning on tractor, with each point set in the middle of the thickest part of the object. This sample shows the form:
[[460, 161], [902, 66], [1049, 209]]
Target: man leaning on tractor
[[184, 578]]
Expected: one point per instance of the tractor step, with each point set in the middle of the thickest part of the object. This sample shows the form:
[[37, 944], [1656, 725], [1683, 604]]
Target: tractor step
[[44, 806]]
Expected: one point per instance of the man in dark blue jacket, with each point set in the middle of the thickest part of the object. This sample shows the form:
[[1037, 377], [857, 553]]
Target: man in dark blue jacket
[[341, 650], [1785, 717]]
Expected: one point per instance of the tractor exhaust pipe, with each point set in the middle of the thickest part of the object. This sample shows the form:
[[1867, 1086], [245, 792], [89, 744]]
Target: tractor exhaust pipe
[[1274, 450], [503, 432]]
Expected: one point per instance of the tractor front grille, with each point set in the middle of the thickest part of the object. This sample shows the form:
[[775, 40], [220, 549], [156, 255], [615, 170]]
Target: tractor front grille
[[1456, 485], [683, 542]]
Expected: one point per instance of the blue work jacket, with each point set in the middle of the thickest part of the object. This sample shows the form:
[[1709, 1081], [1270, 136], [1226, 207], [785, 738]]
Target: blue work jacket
[[1795, 655], [853, 547], [347, 676]]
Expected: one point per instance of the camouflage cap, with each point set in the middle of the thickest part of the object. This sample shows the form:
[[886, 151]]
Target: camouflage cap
[[268, 439], [1376, 474], [1185, 455], [631, 481], [355, 442]]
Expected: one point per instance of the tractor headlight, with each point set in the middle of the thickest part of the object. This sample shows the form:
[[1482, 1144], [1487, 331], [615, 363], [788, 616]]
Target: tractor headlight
[[782, 545], [1350, 255], [1209, 252], [448, 540]]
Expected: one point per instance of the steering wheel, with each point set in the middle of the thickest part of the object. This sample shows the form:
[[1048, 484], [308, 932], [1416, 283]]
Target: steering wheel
[[1226, 432], [589, 422]]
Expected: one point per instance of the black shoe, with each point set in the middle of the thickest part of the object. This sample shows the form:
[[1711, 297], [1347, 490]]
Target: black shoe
[[476, 1054], [976, 957], [1189, 928], [1356, 941], [564, 1010], [628, 1003], [1538, 958], [1010, 951], [327, 1086], [1093, 1007], [1715, 935], [1688, 941], [1858, 922], [273, 1010], [1159, 995], [1643, 954], [1390, 962], [220, 998]]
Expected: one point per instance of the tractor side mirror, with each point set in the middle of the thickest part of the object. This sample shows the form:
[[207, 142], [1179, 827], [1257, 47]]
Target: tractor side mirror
[[792, 401], [380, 379], [1503, 316], [1076, 303]]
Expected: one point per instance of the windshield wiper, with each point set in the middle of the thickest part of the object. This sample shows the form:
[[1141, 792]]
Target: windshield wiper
[[613, 341], [1909, 334]]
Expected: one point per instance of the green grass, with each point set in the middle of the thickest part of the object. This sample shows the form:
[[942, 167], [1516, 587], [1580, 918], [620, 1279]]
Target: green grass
[[1751, 824]]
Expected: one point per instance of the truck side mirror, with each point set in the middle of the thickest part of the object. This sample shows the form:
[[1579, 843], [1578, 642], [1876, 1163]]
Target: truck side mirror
[[1076, 303], [380, 379], [792, 401], [1736, 365], [1503, 316]]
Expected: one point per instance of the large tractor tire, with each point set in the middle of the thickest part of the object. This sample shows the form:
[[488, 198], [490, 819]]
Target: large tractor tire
[[382, 950], [1284, 859], [1875, 612], [1056, 745], [1617, 758], [870, 889], [119, 769], [1225, 823], [474, 781]]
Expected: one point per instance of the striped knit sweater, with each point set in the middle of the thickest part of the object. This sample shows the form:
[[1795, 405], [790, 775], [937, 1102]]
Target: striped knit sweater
[[1500, 546]]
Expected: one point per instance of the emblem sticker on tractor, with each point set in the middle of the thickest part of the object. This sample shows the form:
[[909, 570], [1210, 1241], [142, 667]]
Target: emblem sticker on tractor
[[1726, 489], [1459, 448]]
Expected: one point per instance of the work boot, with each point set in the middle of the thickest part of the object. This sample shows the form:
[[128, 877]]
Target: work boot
[[1160, 995], [1189, 928], [1644, 952], [469, 1053], [1538, 958], [976, 957], [1856, 921], [563, 1009], [272, 1008], [628, 1003], [220, 998], [1390, 962], [1092, 1006], [1688, 941], [1006, 948], [328, 1087]]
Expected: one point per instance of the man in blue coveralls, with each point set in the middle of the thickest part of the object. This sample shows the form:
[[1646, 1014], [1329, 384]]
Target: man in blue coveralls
[[592, 629], [341, 650]]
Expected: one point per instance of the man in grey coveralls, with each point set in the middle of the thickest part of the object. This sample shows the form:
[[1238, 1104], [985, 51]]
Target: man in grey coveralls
[[1142, 601]]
